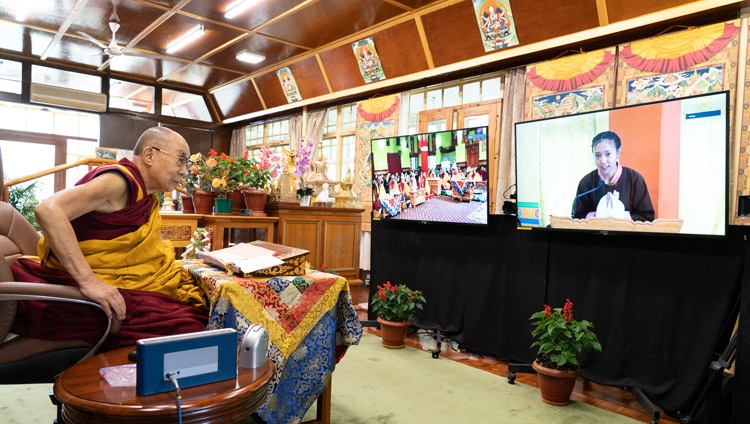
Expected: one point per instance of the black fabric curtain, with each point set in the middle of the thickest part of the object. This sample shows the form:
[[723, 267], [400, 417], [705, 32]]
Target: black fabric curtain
[[663, 306]]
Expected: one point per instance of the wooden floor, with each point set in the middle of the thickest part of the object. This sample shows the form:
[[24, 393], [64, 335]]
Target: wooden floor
[[615, 399]]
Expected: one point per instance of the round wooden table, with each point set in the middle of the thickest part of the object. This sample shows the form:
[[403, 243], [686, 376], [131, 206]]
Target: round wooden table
[[88, 398]]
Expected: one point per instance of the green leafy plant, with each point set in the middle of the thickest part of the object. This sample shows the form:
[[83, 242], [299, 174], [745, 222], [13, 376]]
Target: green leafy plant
[[304, 191], [397, 302], [258, 174], [562, 340], [23, 199]]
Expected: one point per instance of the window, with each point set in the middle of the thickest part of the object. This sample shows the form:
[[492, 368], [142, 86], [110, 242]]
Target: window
[[184, 105], [273, 134], [472, 90], [10, 76], [339, 141], [131, 96]]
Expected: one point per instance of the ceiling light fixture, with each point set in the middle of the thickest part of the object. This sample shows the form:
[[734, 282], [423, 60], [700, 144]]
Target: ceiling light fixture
[[246, 56], [185, 39], [238, 7]]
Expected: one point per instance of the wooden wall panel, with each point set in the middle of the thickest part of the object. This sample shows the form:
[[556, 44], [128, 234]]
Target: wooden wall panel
[[400, 50], [341, 67], [238, 99], [620, 10], [541, 20], [453, 34], [270, 90], [309, 78]]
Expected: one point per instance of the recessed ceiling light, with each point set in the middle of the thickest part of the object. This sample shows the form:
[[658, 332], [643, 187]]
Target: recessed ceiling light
[[246, 56]]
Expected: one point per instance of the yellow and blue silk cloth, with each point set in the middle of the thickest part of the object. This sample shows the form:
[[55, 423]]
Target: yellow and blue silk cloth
[[310, 321]]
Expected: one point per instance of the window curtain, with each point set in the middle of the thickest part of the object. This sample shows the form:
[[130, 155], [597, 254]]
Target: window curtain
[[238, 143], [295, 131], [512, 112]]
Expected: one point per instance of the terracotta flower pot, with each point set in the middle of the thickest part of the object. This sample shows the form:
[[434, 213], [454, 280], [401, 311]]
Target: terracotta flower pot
[[393, 333], [556, 386], [256, 200], [238, 201], [203, 201], [187, 204]]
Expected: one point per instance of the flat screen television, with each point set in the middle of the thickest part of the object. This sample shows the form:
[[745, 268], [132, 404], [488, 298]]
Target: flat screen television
[[669, 175], [435, 177]]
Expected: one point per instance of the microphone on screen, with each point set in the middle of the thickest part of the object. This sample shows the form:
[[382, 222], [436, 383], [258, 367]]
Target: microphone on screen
[[572, 210], [601, 183]]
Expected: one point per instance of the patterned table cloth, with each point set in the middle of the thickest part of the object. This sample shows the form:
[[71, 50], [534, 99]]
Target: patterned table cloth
[[310, 321]]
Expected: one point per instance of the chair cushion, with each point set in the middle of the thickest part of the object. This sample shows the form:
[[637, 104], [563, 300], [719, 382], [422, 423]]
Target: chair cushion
[[17, 236]]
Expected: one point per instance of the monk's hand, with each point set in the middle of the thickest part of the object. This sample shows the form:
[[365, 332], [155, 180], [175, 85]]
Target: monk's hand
[[108, 297]]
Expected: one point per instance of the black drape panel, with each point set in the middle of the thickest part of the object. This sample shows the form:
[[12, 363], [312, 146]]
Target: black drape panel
[[741, 383], [661, 305]]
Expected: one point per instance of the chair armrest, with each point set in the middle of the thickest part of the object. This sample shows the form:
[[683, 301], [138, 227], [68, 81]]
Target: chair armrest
[[15, 290]]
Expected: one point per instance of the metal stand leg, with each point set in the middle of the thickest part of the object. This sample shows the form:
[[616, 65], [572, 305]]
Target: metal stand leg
[[647, 404], [438, 343], [514, 368]]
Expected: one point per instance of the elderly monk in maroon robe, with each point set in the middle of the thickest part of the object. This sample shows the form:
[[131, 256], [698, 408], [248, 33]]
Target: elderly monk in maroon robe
[[104, 236]]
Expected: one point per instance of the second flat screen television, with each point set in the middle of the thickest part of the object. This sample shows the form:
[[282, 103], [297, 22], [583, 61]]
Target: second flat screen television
[[436, 177], [659, 168]]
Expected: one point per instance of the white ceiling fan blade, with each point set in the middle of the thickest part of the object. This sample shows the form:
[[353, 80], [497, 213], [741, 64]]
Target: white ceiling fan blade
[[92, 39]]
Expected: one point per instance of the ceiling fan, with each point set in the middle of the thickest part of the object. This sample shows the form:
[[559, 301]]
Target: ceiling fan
[[113, 49]]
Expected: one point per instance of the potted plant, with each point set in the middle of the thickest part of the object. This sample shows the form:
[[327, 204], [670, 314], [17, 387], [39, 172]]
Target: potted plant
[[396, 305], [562, 343], [304, 194], [257, 177]]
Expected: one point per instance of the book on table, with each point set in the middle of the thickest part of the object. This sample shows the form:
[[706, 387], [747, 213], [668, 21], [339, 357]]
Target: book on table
[[257, 258]]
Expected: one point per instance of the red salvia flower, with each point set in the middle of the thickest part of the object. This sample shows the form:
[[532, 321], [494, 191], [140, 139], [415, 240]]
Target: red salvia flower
[[547, 311], [568, 310]]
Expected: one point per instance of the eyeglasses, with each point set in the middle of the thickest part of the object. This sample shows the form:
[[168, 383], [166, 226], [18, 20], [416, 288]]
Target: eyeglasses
[[183, 158]]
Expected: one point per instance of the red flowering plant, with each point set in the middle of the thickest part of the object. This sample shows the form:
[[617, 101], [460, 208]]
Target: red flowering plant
[[562, 340], [396, 302], [258, 173]]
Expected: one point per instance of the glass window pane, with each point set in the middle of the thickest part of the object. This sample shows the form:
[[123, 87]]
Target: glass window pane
[[329, 152], [451, 96], [492, 89], [416, 103], [12, 117], [184, 105], [41, 120], [67, 79], [44, 158], [434, 99], [471, 92], [131, 96], [10, 76]]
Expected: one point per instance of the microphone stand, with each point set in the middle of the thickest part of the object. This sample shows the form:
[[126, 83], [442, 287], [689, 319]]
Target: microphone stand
[[575, 199]]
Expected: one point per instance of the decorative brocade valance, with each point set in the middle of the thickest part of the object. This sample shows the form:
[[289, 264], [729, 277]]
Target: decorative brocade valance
[[679, 51], [379, 108], [571, 72]]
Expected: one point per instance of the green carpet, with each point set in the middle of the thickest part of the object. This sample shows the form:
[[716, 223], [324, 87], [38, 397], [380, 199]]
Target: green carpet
[[376, 385]]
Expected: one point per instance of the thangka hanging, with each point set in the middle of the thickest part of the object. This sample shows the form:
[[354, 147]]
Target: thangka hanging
[[496, 26], [288, 84], [368, 60]]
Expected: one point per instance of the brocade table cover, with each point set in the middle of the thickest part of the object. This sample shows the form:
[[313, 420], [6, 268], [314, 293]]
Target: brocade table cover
[[310, 321]]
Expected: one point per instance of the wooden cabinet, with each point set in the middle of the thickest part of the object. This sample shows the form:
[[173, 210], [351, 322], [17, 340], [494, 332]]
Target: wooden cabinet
[[332, 235]]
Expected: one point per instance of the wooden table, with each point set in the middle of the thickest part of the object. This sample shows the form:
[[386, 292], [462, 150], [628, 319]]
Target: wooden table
[[225, 222], [179, 227], [88, 398]]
